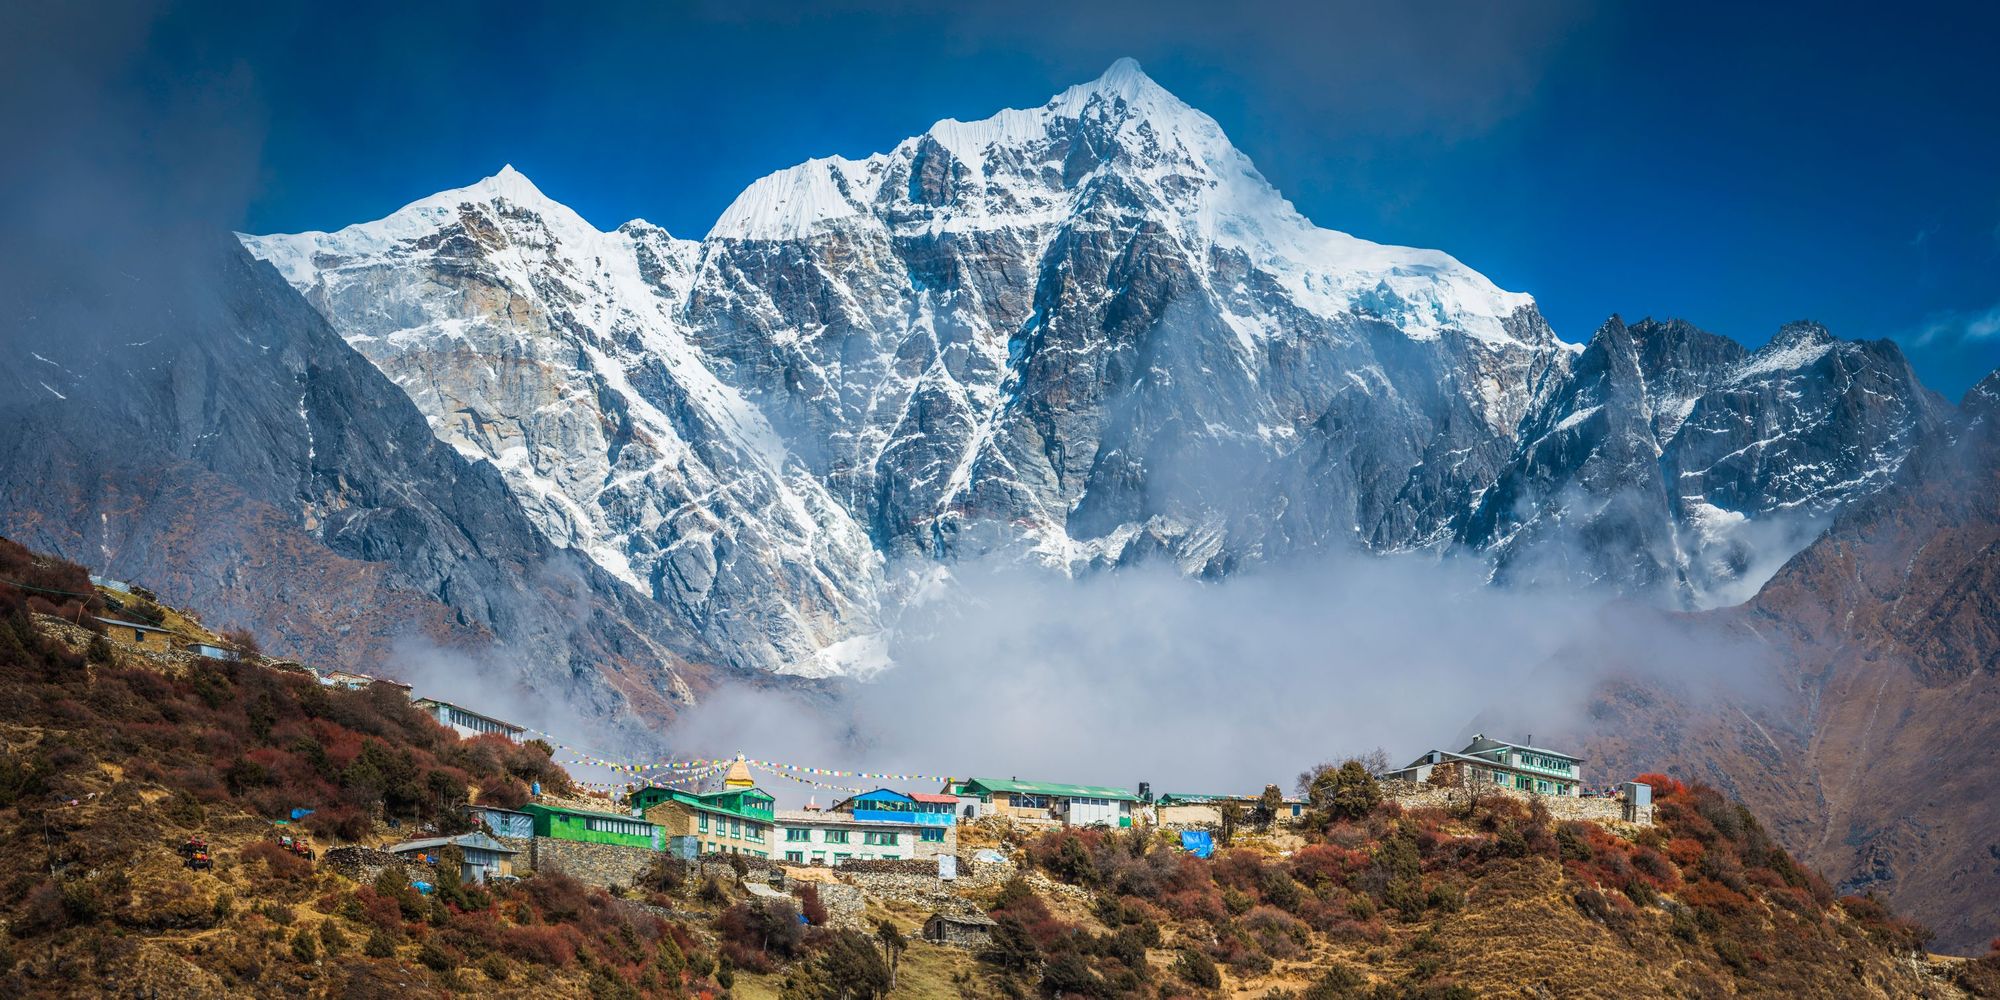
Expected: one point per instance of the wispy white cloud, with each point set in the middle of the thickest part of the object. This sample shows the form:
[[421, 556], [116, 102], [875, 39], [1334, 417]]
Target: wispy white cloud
[[1959, 326]]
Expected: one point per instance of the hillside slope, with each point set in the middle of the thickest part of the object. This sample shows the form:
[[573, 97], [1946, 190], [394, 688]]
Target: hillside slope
[[109, 760], [1878, 760]]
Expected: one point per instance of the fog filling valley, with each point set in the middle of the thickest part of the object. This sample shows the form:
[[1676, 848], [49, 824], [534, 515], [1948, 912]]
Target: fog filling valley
[[1192, 685]]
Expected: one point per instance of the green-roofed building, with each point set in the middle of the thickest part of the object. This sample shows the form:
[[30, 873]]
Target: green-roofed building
[[592, 827], [1048, 801], [732, 821]]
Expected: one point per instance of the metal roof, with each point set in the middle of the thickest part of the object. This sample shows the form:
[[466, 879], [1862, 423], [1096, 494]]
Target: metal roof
[[533, 807], [420, 702], [1490, 743], [1054, 788], [476, 841], [125, 624], [934, 798], [711, 801]]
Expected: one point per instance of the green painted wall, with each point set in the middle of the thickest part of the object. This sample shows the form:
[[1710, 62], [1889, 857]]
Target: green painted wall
[[561, 824]]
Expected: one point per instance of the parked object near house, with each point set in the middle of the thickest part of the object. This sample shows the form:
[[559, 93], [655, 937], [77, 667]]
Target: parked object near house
[[466, 722], [732, 821], [1199, 843], [1499, 764], [484, 857], [138, 634], [1044, 801], [592, 827], [960, 930]]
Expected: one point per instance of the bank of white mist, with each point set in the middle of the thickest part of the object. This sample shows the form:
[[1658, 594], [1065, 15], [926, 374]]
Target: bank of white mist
[[1146, 675]]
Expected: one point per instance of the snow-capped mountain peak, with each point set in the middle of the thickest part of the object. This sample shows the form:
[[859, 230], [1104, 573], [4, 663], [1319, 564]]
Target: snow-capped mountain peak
[[1122, 139], [552, 350], [1083, 333]]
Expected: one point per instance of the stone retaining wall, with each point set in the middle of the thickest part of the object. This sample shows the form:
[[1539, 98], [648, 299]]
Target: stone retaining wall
[[1413, 795], [925, 889], [845, 905], [365, 864], [596, 864]]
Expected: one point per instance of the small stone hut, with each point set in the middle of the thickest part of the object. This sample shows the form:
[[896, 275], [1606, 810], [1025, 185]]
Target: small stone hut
[[960, 930]]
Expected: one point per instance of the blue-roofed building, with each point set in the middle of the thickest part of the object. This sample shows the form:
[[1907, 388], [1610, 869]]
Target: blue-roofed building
[[886, 805]]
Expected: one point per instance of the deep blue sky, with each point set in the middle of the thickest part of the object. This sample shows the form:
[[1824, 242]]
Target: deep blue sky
[[1737, 166]]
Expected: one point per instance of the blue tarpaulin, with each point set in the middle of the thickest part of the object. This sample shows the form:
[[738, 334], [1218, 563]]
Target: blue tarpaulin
[[1198, 843], [301, 813]]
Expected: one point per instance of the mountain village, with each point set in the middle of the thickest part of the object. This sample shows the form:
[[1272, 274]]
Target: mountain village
[[881, 838]]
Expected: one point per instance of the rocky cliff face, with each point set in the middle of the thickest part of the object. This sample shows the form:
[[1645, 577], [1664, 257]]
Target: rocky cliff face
[[1676, 463], [213, 438], [1082, 334], [1873, 755], [552, 352]]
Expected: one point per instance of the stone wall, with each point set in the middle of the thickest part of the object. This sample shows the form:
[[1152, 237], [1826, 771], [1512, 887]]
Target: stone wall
[[1415, 795], [365, 864], [524, 861], [845, 905], [922, 888], [596, 864]]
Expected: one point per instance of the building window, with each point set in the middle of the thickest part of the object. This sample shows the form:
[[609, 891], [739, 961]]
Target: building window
[[1026, 801], [932, 836], [839, 857], [736, 828], [798, 836], [1523, 782], [795, 855], [703, 822], [881, 839], [836, 837]]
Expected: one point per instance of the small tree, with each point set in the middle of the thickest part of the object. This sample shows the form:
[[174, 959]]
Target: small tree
[[849, 969], [811, 906], [1013, 947], [1346, 792], [305, 946], [1269, 805], [1197, 969], [1232, 817], [892, 947], [242, 642]]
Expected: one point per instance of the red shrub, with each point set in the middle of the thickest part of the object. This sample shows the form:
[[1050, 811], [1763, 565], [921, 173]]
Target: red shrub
[[1664, 787], [279, 863], [551, 946], [1327, 865]]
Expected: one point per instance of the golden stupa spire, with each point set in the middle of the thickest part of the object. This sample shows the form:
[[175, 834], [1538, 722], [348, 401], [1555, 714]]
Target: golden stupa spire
[[738, 775]]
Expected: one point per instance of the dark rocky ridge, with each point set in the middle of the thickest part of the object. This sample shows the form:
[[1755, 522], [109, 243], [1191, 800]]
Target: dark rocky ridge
[[1671, 456], [228, 449]]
